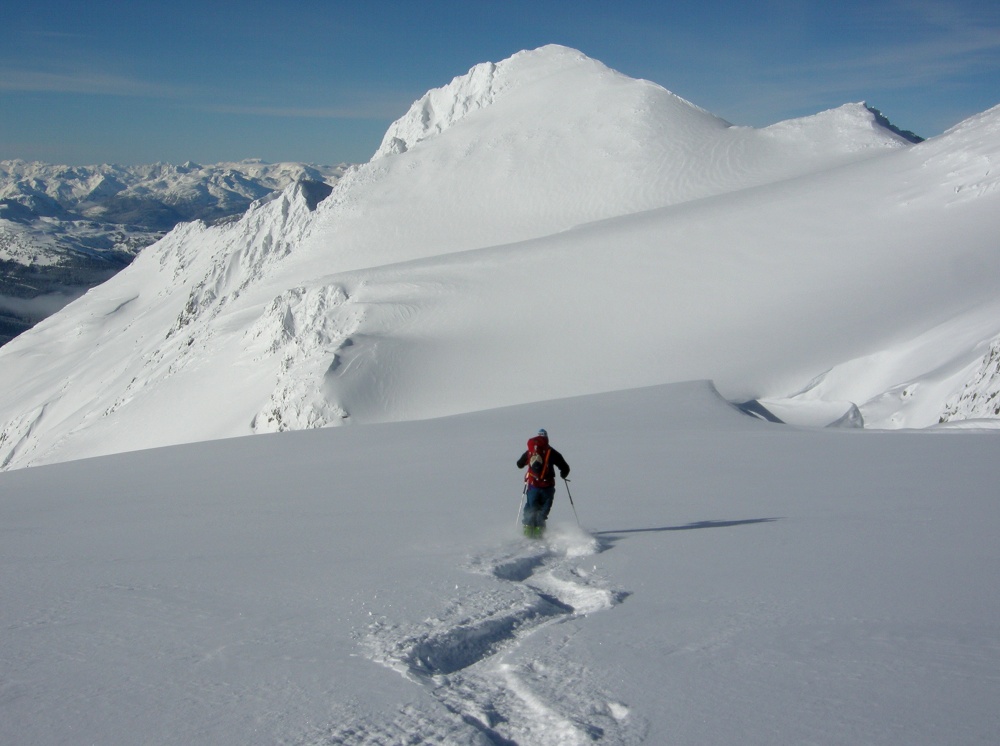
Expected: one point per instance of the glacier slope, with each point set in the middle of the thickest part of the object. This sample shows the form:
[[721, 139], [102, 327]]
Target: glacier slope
[[656, 243]]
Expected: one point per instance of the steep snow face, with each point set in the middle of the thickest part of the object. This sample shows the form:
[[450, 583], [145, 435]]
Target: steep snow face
[[161, 326], [550, 228], [980, 397]]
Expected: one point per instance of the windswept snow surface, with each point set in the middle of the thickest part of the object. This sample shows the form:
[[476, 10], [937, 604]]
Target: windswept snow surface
[[540, 227], [733, 581]]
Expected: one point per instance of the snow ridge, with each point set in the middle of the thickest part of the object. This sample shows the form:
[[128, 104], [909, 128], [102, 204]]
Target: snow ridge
[[980, 397], [190, 280], [850, 119], [472, 657], [441, 108], [304, 327], [297, 335]]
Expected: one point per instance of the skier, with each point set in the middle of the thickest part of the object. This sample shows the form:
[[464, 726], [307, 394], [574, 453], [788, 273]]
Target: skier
[[539, 482]]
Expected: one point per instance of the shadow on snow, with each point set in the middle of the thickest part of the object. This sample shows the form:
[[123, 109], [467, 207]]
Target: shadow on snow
[[688, 527]]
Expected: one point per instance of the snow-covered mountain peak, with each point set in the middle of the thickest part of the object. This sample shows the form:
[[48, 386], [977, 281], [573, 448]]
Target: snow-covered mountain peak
[[858, 126], [537, 74], [657, 242], [440, 108], [550, 139]]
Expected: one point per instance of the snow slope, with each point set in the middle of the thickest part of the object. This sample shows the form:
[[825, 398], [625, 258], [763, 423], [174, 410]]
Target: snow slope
[[656, 242], [946, 372], [734, 582]]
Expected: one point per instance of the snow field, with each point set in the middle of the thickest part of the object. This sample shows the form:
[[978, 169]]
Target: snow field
[[734, 581]]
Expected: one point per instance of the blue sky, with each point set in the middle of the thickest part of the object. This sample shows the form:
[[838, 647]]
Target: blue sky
[[319, 81]]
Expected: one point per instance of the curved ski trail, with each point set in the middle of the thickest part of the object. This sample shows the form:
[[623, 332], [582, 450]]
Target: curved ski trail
[[473, 660]]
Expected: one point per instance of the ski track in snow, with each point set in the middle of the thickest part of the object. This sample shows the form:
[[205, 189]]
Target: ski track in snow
[[471, 658]]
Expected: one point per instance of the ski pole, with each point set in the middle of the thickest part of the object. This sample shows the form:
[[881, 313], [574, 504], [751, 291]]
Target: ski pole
[[520, 508], [570, 495]]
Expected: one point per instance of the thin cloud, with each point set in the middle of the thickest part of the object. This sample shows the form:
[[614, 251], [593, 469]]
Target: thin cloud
[[951, 51], [364, 105], [951, 43], [915, 64], [89, 83], [390, 107]]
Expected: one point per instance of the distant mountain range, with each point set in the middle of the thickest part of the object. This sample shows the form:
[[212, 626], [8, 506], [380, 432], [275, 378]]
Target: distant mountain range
[[64, 229]]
